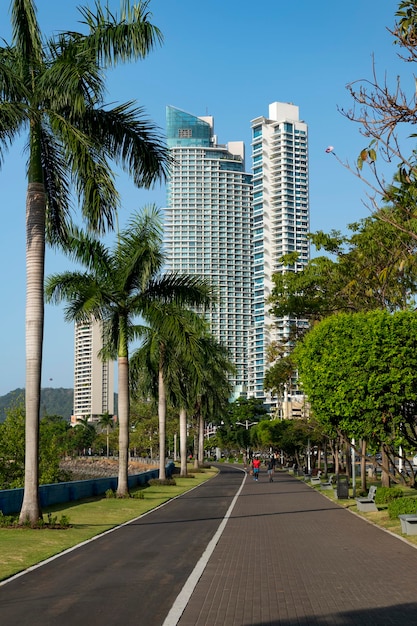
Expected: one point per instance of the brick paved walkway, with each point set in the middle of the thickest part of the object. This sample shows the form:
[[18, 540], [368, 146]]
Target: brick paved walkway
[[289, 556]]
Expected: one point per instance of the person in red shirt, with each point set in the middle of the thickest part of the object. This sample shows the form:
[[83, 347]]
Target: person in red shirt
[[256, 464]]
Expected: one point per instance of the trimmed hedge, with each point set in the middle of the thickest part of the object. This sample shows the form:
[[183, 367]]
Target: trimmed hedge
[[402, 506], [384, 495]]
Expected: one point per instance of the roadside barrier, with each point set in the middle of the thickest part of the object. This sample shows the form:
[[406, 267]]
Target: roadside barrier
[[59, 493]]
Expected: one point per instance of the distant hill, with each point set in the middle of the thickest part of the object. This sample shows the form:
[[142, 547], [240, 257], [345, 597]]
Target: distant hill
[[53, 402]]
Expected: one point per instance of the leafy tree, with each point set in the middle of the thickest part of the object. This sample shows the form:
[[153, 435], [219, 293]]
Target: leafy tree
[[12, 448], [53, 89], [144, 427], [359, 372], [279, 374], [373, 268], [236, 429], [53, 445]]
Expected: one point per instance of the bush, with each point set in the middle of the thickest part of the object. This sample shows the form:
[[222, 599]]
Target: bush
[[402, 506], [161, 482], [8, 520], [384, 495], [12, 521]]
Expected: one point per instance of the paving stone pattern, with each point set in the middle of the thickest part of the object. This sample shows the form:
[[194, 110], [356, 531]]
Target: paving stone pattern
[[290, 556]]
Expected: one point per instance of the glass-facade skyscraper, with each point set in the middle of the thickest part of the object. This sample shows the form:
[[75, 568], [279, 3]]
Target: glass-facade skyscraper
[[280, 222], [208, 226]]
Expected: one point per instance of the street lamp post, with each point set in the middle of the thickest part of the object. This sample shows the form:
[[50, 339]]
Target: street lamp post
[[247, 424]]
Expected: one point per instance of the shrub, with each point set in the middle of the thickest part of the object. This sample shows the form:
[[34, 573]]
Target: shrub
[[384, 495], [8, 520], [402, 506], [110, 493], [162, 482]]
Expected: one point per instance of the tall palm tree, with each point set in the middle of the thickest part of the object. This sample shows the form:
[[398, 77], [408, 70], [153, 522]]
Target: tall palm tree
[[118, 286], [213, 389], [168, 342], [52, 89], [191, 373], [203, 387]]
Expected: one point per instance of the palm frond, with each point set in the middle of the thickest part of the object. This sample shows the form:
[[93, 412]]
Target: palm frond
[[84, 296], [139, 250], [12, 118], [182, 289], [144, 367], [110, 335], [132, 140], [91, 174], [90, 252], [114, 39], [12, 87], [26, 34], [57, 188], [72, 81]]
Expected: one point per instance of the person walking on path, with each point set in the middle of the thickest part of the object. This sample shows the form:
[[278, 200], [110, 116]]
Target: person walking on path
[[270, 468], [256, 464]]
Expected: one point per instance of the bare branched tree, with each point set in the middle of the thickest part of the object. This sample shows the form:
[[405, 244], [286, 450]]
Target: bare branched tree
[[386, 114]]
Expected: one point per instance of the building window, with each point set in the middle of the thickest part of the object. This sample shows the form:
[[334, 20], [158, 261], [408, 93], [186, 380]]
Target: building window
[[185, 133]]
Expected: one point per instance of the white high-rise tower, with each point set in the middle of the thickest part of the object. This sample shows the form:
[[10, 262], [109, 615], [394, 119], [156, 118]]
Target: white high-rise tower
[[280, 221], [93, 378], [207, 226]]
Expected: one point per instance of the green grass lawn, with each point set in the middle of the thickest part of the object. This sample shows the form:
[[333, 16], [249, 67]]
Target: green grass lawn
[[21, 548]]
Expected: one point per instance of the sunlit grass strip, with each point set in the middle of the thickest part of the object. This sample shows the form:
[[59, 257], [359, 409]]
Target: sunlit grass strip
[[23, 547]]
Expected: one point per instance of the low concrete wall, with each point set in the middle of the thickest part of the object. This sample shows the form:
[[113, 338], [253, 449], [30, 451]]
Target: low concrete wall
[[59, 493]]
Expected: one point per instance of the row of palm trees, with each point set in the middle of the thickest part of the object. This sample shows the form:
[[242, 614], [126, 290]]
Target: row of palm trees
[[52, 90], [178, 361]]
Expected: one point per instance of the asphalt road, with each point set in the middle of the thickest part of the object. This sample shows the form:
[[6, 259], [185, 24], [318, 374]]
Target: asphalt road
[[131, 576]]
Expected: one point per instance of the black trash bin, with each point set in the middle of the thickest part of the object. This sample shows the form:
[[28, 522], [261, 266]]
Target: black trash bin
[[342, 487]]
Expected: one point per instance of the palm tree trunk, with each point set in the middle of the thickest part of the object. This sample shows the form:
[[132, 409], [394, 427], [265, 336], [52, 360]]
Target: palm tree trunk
[[200, 440], [162, 422], [183, 442], [162, 410], [35, 264], [195, 451], [123, 387]]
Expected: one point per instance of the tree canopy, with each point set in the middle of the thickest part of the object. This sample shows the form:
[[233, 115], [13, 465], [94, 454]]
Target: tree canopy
[[360, 374]]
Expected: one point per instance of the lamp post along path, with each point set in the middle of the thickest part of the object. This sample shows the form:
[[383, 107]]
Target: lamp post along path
[[247, 424]]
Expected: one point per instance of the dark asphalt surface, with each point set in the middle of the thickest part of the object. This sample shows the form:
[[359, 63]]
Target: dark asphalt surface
[[287, 556], [128, 577]]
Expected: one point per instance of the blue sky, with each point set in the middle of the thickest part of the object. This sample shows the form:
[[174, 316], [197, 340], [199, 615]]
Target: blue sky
[[228, 59]]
